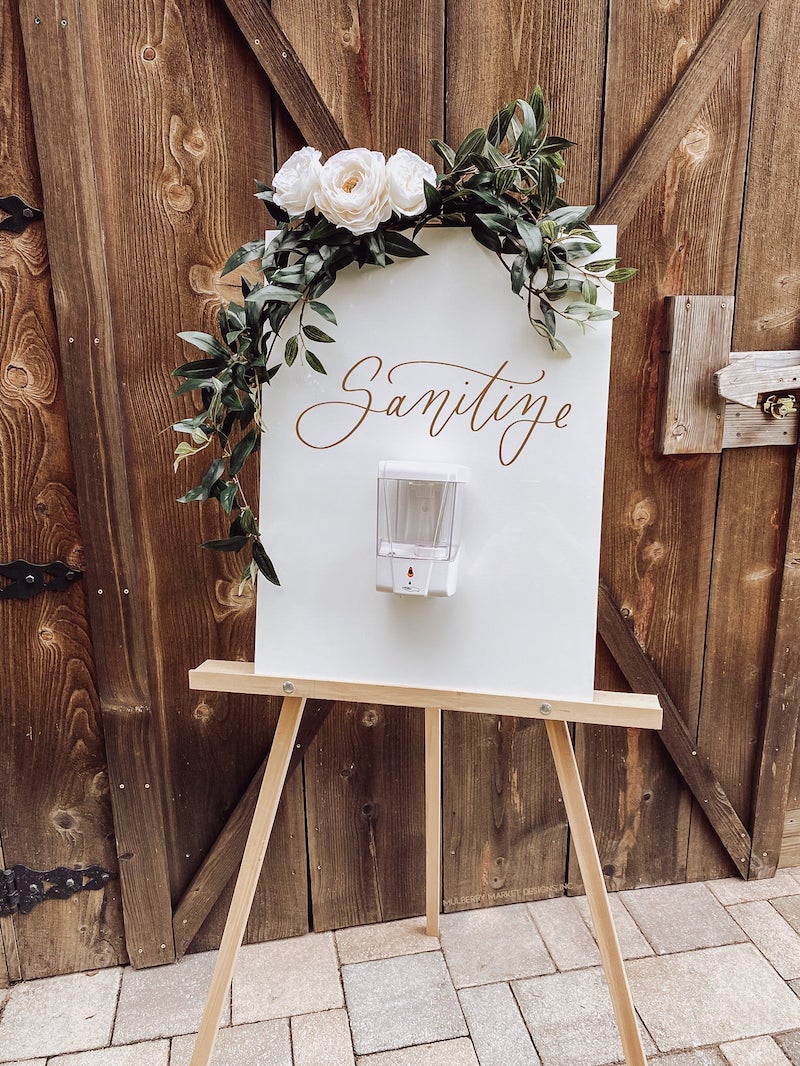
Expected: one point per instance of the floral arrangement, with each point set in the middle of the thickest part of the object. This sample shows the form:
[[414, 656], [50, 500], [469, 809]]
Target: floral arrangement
[[503, 182]]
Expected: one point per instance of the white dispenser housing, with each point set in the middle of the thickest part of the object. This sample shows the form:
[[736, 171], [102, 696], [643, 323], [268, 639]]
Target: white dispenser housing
[[419, 527]]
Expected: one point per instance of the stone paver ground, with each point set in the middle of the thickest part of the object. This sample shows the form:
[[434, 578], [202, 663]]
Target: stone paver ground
[[714, 969]]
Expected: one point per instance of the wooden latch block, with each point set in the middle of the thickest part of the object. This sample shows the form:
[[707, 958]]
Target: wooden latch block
[[709, 395]]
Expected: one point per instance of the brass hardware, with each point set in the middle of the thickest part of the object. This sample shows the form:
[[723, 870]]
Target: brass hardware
[[779, 406]]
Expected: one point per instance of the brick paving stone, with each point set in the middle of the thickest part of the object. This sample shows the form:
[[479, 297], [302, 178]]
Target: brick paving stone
[[570, 1018], [322, 1039], [771, 934], [78, 1010], [760, 1051], [164, 1000], [285, 977], [493, 945], [498, 1032], [701, 1057], [681, 918], [565, 933], [396, 1002], [365, 943], [27, 1062], [732, 890], [631, 941], [151, 1053], [449, 1053], [789, 908], [710, 996], [789, 1043], [257, 1044]]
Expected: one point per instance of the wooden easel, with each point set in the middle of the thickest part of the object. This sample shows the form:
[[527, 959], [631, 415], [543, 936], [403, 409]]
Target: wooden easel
[[607, 708]]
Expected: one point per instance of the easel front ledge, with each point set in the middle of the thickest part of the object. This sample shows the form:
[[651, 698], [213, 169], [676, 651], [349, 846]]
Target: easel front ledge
[[626, 709]]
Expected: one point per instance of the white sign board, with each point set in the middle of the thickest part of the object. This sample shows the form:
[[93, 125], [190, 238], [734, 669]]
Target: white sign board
[[435, 360]]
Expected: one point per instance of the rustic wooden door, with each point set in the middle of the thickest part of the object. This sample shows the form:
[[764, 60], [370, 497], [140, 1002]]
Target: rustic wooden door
[[173, 108], [54, 802]]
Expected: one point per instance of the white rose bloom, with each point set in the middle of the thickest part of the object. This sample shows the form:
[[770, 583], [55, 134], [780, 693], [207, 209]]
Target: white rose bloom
[[353, 192], [297, 181], [406, 172]]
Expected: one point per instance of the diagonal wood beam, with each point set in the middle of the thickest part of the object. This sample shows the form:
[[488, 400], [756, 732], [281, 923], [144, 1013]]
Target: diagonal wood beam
[[682, 106], [693, 764], [222, 861], [289, 77]]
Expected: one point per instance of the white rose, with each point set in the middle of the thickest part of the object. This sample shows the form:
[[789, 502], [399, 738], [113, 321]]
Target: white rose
[[353, 192], [297, 181], [406, 172]]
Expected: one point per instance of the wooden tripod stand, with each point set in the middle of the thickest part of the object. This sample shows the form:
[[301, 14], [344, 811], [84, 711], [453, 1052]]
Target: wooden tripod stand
[[607, 708]]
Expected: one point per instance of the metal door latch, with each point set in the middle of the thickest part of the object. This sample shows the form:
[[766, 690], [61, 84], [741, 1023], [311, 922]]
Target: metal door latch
[[21, 889], [28, 579]]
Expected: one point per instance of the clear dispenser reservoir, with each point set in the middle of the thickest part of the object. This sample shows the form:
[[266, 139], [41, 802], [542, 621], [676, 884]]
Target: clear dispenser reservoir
[[419, 527]]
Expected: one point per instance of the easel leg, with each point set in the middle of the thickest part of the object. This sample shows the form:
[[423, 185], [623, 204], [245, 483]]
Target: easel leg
[[263, 819], [592, 873], [433, 818]]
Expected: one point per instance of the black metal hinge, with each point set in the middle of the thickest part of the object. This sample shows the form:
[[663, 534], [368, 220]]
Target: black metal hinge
[[28, 579], [19, 214], [21, 889]]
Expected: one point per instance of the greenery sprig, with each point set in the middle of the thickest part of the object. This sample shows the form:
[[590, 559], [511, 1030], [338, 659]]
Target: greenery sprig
[[503, 182]]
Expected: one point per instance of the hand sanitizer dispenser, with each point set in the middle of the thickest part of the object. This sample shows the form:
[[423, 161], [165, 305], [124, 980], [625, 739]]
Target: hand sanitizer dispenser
[[419, 527]]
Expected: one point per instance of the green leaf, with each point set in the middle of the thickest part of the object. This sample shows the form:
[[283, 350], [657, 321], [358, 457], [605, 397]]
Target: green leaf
[[246, 522], [433, 198], [527, 136], [242, 450], [246, 254], [314, 363], [443, 150], [532, 239], [323, 311], [290, 351], [622, 274], [264, 563], [315, 334], [600, 266], [227, 496], [566, 216], [401, 246], [520, 272], [498, 127], [472, 143], [229, 544], [206, 343]]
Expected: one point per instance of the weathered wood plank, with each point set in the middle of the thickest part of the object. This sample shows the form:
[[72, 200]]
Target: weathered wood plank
[[289, 77], [380, 68], [782, 704], [659, 514], [222, 861], [505, 831], [746, 428], [692, 762], [54, 50], [47, 685], [675, 117], [755, 483], [184, 171], [691, 417]]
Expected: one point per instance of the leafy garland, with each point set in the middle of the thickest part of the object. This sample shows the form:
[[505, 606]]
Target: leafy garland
[[503, 182]]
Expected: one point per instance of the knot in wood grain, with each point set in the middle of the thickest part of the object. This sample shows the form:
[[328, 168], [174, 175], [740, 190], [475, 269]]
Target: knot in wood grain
[[370, 716], [696, 145], [180, 197], [17, 376], [653, 554], [643, 513], [203, 712], [149, 53]]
